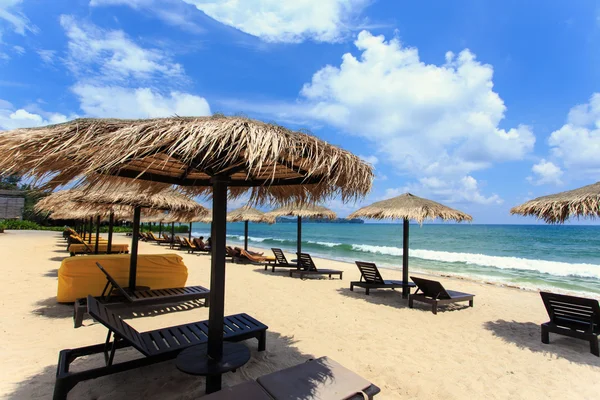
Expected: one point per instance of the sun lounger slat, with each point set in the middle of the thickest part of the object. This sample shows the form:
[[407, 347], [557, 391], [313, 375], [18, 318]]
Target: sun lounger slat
[[432, 292]]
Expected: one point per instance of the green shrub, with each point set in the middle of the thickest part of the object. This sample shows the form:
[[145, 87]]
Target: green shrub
[[16, 224]]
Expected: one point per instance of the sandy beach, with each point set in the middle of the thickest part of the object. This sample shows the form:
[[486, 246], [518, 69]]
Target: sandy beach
[[491, 351]]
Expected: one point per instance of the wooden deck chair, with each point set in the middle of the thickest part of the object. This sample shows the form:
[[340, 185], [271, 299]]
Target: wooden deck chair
[[370, 278], [308, 268], [432, 292]]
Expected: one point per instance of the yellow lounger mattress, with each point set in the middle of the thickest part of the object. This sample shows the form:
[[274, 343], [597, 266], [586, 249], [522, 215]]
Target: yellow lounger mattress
[[79, 276]]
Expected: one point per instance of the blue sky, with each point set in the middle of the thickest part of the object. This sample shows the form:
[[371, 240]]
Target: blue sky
[[479, 105]]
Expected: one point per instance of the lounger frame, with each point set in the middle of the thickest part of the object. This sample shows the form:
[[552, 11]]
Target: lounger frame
[[572, 316], [434, 293], [308, 268], [370, 278], [138, 297], [169, 343], [280, 261]]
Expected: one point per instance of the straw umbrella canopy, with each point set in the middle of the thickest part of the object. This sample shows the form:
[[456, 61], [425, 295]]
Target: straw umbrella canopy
[[557, 208], [302, 211], [409, 207], [205, 155], [249, 214]]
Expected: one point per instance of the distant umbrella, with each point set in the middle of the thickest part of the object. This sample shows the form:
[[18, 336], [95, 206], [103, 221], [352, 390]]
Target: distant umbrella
[[409, 207], [302, 211], [557, 208], [249, 214]]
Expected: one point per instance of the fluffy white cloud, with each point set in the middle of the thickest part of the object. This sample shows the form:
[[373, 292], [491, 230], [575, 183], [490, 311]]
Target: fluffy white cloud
[[464, 190], [545, 172], [286, 21], [427, 119], [12, 118], [10, 13], [120, 102], [370, 159], [111, 55], [577, 143]]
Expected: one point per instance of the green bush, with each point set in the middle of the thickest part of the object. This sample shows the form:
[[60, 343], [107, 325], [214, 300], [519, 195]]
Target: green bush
[[17, 224]]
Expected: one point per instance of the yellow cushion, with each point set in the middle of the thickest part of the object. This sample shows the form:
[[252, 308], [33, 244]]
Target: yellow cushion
[[78, 248], [79, 276]]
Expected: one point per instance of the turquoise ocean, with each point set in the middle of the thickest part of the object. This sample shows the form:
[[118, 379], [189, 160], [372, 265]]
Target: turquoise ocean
[[527, 256]]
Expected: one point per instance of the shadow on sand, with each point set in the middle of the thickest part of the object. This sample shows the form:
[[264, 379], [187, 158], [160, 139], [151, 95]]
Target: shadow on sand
[[53, 273], [49, 308], [164, 380], [527, 335], [58, 258]]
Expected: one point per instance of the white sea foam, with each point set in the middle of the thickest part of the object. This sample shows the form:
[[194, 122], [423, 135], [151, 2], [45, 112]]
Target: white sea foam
[[326, 244], [549, 267]]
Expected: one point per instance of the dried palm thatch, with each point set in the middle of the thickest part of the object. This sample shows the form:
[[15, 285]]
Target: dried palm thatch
[[180, 216], [304, 211], [249, 214], [411, 207], [557, 208], [273, 163]]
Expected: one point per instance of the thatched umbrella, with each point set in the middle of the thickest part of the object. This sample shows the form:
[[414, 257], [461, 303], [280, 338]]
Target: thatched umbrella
[[204, 155], [302, 211], [557, 208], [409, 207], [249, 214], [122, 197]]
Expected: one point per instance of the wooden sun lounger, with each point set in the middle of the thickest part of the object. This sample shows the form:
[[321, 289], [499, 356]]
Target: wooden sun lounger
[[280, 261], [322, 379], [138, 297], [156, 346], [156, 239], [201, 246], [234, 254], [253, 258], [308, 268], [572, 316], [432, 292], [370, 278]]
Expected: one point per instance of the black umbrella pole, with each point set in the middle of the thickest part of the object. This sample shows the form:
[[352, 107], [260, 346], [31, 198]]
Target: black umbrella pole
[[97, 234], [217, 278], [172, 234], [160, 229], [91, 228], [246, 235], [134, 247], [190, 233], [299, 244], [405, 288], [111, 225]]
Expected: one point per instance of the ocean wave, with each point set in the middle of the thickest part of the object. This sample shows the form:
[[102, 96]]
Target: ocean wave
[[556, 268], [326, 244]]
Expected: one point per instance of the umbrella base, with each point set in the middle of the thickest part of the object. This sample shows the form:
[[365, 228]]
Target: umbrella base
[[195, 361]]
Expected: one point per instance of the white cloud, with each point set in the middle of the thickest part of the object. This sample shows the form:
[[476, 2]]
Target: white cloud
[[47, 56], [464, 190], [577, 143], [11, 118], [9, 11], [173, 12], [120, 102], [546, 172], [370, 159], [111, 55], [427, 119], [20, 50], [286, 21]]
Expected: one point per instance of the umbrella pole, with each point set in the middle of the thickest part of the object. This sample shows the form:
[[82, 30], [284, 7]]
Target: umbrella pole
[[217, 279], [172, 234], [160, 229], [90, 237], [190, 233], [299, 244], [111, 224], [81, 229], [134, 247], [246, 235], [405, 288], [97, 234]]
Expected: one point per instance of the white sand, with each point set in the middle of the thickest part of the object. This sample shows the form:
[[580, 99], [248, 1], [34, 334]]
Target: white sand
[[491, 351]]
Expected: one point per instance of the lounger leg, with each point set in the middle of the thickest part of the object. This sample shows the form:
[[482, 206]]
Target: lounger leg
[[262, 341], [272, 268], [329, 276], [341, 276], [594, 347], [62, 388], [410, 302], [266, 267], [207, 301], [470, 303], [367, 291], [78, 315], [434, 308], [213, 383], [351, 287], [545, 335]]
